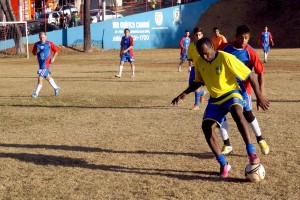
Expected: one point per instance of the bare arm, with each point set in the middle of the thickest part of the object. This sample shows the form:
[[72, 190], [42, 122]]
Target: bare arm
[[261, 83], [261, 100], [54, 57], [125, 50], [190, 89]]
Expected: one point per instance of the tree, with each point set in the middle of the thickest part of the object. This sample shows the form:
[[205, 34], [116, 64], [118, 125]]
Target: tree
[[86, 28], [5, 5]]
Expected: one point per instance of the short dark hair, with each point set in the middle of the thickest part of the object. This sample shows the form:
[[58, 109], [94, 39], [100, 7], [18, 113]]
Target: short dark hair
[[126, 29], [186, 31], [203, 41], [215, 28], [197, 29], [42, 33], [240, 30]]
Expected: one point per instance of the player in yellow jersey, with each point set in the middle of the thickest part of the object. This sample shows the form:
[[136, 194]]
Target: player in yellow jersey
[[218, 71], [193, 56]]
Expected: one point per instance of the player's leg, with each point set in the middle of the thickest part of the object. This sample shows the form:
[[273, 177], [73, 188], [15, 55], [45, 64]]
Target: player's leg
[[180, 64], [123, 58], [190, 65], [131, 61], [227, 148], [38, 87], [53, 84], [253, 123], [266, 51], [183, 58], [237, 114], [212, 117], [251, 119], [197, 94]]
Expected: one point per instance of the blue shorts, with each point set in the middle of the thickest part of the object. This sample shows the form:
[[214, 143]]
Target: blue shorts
[[44, 72], [192, 75], [183, 56], [127, 58], [247, 100], [217, 112], [266, 48]]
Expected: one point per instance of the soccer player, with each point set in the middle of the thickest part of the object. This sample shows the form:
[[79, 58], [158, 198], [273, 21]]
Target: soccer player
[[184, 44], [218, 71], [126, 53], [193, 56], [217, 39], [265, 38], [43, 50], [245, 53]]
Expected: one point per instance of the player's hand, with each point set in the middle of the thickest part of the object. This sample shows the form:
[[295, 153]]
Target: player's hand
[[178, 98], [272, 44], [263, 103], [124, 51]]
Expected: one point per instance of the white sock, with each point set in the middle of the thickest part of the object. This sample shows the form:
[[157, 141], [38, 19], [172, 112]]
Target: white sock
[[38, 88], [266, 56], [255, 127], [190, 68], [52, 83], [120, 70], [224, 130], [133, 70]]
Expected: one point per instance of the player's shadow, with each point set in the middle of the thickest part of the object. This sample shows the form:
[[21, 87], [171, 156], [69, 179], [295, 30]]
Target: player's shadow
[[45, 160], [206, 155], [89, 107]]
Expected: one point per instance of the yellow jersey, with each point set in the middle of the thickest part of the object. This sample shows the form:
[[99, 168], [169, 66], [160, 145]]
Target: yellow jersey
[[220, 75]]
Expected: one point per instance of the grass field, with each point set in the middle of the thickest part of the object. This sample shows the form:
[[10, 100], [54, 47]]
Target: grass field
[[107, 138]]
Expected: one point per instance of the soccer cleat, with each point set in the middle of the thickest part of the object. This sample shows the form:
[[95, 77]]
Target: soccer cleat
[[202, 97], [226, 150], [34, 95], [56, 91], [118, 76], [224, 170], [195, 107], [253, 159], [179, 68], [264, 147]]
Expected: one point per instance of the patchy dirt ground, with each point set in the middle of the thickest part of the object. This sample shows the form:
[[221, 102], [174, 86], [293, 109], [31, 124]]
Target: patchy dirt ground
[[107, 138]]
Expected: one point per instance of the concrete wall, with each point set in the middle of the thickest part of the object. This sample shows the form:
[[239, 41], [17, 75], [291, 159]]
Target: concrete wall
[[153, 29]]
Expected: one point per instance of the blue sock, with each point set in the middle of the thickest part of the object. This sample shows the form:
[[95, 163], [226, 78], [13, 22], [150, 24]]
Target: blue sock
[[197, 98], [250, 149], [221, 159], [201, 92]]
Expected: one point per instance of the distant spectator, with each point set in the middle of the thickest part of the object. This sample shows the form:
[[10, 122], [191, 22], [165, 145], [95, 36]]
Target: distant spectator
[[67, 20], [48, 9], [71, 20], [218, 39], [152, 4], [57, 8], [36, 14], [75, 18], [63, 21], [178, 2]]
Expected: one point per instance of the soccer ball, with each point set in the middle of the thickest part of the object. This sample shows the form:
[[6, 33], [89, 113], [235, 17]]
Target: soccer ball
[[255, 173]]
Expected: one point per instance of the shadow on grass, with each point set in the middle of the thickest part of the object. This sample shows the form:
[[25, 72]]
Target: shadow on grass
[[89, 107], [206, 155], [44, 160]]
